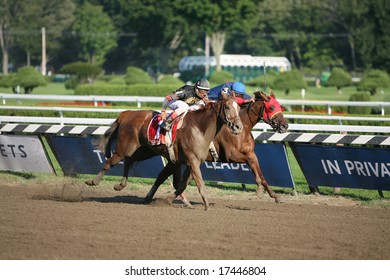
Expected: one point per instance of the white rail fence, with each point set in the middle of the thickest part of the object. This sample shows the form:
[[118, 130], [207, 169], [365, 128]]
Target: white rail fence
[[147, 99], [260, 126], [139, 99]]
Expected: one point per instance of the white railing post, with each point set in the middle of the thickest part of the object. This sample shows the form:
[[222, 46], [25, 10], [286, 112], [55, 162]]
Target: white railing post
[[329, 109]]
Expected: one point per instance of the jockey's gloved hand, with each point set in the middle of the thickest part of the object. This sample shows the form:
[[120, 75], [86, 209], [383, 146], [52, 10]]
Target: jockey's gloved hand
[[165, 125], [163, 114]]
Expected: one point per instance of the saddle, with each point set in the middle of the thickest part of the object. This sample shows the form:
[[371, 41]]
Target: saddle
[[158, 136]]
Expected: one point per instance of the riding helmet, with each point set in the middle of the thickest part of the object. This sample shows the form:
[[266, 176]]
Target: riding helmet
[[239, 88], [202, 84]]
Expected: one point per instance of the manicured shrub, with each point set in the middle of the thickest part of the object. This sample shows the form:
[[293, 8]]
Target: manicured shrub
[[372, 80], [358, 109], [290, 80], [82, 73], [339, 78], [170, 80], [258, 82], [136, 75], [27, 78], [117, 81], [220, 77]]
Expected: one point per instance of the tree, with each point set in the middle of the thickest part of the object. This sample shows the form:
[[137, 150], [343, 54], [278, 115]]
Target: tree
[[160, 27], [368, 23], [217, 18], [8, 11], [22, 21], [95, 33]]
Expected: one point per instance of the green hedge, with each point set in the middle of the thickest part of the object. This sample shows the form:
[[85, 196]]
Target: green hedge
[[127, 90], [359, 97], [136, 75], [220, 77]]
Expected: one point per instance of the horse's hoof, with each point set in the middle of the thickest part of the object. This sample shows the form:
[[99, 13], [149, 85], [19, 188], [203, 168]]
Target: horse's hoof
[[278, 200], [118, 187], [169, 200], [259, 193], [90, 183], [189, 206]]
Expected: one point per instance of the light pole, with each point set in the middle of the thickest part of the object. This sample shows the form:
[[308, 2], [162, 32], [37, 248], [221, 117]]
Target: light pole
[[43, 66]]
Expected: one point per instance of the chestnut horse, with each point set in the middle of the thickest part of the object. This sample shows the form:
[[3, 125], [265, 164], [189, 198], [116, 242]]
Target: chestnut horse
[[240, 148], [190, 145]]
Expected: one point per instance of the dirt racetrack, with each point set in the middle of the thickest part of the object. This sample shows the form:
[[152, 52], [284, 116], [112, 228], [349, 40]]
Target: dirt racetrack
[[73, 221]]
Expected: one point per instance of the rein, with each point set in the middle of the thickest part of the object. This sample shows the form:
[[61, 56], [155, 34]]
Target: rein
[[258, 115]]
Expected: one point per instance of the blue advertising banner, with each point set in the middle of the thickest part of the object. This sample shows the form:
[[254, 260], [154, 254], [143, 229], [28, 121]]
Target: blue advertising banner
[[78, 155], [350, 167], [273, 163]]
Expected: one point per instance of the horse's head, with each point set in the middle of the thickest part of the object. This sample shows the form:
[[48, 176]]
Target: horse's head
[[273, 112], [231, 114]]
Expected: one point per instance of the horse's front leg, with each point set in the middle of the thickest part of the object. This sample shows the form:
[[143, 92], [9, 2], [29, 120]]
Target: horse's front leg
[[194, 170], [253, 162], [125, 178], [110, 162]]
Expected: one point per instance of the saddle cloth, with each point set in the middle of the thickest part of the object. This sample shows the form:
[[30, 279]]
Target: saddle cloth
[[157, 135]]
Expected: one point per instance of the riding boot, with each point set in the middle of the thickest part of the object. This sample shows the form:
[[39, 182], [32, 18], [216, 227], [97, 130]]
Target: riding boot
[[166, 124]]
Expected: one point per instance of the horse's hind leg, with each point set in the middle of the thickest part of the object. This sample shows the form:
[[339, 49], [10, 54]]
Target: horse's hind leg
[[162, 176], [123, 183], [110, 162], [179, 183]]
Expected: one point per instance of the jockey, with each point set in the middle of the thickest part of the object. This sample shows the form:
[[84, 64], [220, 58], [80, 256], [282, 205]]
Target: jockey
[[228, 88], [184, 99]]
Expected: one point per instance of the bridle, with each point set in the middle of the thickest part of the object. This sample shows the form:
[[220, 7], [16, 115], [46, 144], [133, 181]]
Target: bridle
[[265, 113], [223, 111]]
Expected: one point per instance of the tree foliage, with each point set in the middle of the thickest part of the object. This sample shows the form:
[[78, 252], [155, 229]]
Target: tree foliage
[[95, 33], [158, 33], [21, 23]]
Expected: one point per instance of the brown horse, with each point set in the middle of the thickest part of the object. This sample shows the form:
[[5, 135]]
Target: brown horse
[[240, 148], [190, 145]]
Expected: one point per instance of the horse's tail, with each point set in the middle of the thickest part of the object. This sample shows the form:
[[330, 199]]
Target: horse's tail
[[108, 138]]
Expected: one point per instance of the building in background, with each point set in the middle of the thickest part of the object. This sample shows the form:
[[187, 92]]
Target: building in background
[[243, 67]]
